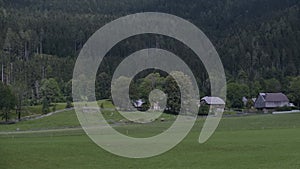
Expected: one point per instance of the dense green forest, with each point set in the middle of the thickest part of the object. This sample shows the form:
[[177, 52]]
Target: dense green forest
[[257, 40]]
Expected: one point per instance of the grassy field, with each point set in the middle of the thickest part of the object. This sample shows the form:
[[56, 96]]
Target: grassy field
[[263, 141], [61, 120], [34, 111]]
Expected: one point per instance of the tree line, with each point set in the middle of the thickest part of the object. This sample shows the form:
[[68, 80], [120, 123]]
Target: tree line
[[256, 40]]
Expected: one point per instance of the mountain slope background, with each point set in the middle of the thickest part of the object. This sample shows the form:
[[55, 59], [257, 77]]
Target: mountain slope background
[[257, 40]]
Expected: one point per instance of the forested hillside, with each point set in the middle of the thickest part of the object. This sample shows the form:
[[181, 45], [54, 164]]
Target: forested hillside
[[258, 40]]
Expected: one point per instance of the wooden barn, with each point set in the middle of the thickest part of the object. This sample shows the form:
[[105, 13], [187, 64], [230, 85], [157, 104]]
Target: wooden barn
[[271, 100]]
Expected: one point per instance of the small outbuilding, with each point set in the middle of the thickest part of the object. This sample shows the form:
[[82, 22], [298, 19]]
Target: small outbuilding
[[216, 104], [215, 101]]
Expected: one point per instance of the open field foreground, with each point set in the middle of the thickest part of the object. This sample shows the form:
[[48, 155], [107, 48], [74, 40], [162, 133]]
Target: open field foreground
[[264, 141]]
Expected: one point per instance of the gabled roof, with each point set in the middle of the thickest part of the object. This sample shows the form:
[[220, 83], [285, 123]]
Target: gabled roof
[[274, 97], [213, 100], [138, 103]]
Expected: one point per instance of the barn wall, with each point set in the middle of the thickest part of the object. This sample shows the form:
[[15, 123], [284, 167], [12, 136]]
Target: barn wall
[[276, 104], [260, 102]]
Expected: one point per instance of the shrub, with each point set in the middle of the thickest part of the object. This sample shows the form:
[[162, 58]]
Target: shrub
[[285, 108], [203, 110]]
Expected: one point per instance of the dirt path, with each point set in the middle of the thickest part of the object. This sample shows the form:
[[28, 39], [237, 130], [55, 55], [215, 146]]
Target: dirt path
[[41, 131], [27, 118]]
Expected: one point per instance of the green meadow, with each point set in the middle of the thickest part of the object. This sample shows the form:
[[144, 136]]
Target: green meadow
[[260, 141]]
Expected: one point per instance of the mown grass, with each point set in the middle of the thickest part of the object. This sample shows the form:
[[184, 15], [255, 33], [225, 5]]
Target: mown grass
[[243, 149], [61, 120], [261, 141], [68, 119], [255, 122]]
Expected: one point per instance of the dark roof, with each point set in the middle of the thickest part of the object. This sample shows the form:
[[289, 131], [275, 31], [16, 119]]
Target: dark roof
[[275, 97]]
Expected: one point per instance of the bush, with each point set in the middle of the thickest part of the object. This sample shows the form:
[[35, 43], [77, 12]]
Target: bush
[[69, 105], [46, 107], [230, 113], [285, 108], [101, 106], [54, 108], [203, 110]]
